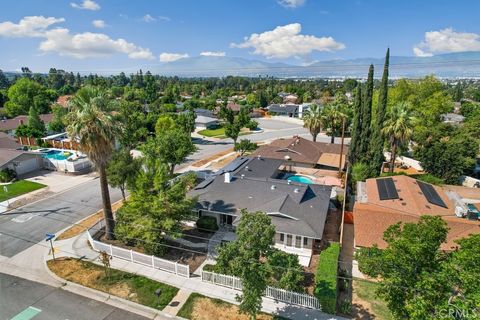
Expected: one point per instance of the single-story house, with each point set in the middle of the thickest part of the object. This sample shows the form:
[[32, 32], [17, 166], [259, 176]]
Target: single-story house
[[298, 211], [301, 152], [203, 112], [63, 100], [21, 162], [289, 110], [10, 125], [381, 202], [453, 118], [204, 122]]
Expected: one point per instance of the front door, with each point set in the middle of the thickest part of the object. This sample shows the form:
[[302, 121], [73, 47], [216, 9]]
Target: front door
[[226, 219]]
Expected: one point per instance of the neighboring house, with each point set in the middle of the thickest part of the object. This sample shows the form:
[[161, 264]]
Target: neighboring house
[[21, 162], [63, 100], [289, 110], [301, 152], [203, 112], [10, 125], [298, 211], [382, 202], [203, 122], [291, 98], [235, 107], [453, 118]]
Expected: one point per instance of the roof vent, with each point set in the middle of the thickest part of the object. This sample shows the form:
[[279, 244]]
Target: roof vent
[[228, 177], [259, 157], [296, 190], [289, 181], [273, 187], [246, 168], [242, 176]]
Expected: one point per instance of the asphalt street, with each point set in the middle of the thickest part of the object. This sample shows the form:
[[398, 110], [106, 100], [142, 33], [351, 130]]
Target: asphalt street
[[23, 227], [23, 299]]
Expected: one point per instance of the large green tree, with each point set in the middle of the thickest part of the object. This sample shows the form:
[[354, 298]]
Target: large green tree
[[122, 170], [366, 116], [355, 141], [377, 139], [92, 123], [26, 93], [313, 120], [398, 129], [334, 115]]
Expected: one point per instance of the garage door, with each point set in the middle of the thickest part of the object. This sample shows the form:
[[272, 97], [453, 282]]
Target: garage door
[[26, 166]]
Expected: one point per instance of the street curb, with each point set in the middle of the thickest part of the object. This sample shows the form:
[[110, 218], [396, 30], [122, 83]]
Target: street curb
[[109, 299]]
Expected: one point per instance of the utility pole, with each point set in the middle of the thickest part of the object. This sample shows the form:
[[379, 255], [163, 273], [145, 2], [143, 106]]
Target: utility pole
[[341, 147]]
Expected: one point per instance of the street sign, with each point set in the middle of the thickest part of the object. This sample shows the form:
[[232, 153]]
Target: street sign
[[49, 236]]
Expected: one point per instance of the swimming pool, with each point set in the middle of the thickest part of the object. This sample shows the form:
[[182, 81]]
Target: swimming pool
[[301, 179], [57, 154]]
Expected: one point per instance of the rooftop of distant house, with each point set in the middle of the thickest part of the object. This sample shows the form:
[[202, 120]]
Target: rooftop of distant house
[[12, 124], [382, 202], [301, 150], [251, 183], [8, 142], [63, 100]]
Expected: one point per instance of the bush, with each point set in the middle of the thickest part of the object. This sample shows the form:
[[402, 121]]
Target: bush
[[429, 178], [326, 278], [360, 172], [252, 125], [208, 223], [7, 175]]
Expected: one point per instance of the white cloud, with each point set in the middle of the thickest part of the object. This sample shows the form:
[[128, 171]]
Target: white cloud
[[86, 5], [291, 3], [88, 45], [164, 18], [32, 26], [99, 24], [286, 41], [447, 40], [148, 18], [169, 57], [213, 53]]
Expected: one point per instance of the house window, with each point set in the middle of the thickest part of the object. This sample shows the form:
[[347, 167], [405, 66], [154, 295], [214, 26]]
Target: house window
[[305, 241], [289, 240], [298, 241], [282, 237]]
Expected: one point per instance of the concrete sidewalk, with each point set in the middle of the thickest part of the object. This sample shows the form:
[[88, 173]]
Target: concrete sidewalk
[[78, 246]]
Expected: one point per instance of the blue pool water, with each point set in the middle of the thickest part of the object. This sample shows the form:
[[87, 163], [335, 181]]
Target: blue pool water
[[301, 179], [57, 154]]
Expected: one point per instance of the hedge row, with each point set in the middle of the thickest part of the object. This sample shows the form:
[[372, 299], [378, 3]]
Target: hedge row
[[326, 278]]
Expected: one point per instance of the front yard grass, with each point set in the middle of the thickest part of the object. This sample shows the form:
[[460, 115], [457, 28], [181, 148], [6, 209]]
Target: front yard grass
[[220, 131], [18, 188], [200, 307], [366, 304], [122, 284]]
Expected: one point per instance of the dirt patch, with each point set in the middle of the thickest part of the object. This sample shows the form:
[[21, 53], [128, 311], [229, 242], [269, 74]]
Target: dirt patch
[[86, 223], [193, 259], [221, 163], [206, 309], [211, 158]]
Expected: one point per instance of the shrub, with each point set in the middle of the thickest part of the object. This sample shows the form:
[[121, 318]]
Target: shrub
[[360, 172], [429, 178], [7, 175], [208, 223], [326, 278], [252, 125]]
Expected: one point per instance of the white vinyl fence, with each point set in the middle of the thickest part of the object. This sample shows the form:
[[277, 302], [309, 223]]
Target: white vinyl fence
[[136, 257], [301, 299]]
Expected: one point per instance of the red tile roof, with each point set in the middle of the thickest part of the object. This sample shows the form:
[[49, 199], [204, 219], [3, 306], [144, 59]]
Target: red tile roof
[[12, 124]]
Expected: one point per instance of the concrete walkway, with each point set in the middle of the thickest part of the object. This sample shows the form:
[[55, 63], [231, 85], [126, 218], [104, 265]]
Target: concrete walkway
[[78, 246], [177, 302]]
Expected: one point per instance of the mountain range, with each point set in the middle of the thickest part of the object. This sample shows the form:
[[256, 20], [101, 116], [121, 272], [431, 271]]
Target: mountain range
[[451, 65]]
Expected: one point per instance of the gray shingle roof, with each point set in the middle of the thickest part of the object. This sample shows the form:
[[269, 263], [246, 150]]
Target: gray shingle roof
[[294, 207]]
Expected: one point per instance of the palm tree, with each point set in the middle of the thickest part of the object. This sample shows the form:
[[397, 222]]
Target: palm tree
[[313, 120], [92, 124], [334, 115], [398, 128]]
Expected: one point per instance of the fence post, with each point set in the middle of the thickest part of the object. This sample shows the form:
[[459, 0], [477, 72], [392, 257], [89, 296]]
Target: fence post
[[188, 271], [111, 251], [153, 262]]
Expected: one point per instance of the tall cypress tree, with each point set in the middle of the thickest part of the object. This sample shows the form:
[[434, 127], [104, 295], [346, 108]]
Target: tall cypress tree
[[366, 117], [377, 139], [357, 126]]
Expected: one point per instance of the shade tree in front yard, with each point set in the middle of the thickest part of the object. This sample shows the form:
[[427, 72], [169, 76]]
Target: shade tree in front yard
[[245, 146], [253, 258], [156, 207], [122, 170]]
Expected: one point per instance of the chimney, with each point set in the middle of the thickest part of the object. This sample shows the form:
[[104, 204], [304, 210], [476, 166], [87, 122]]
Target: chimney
[[228, 177], [21, 121]]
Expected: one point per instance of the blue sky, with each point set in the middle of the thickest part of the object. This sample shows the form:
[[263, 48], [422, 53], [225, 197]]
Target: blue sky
[[126, 33]]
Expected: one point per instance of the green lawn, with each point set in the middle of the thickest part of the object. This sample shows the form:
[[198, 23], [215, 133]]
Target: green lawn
[[365, 291], [220, 131], [18, 188]]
